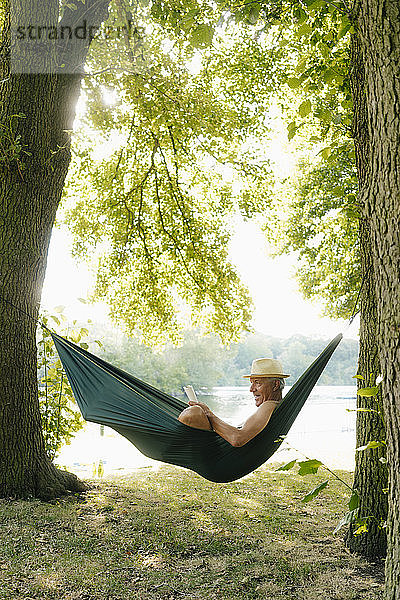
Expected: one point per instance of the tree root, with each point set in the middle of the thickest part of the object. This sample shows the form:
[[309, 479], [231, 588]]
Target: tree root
[[53, 483]]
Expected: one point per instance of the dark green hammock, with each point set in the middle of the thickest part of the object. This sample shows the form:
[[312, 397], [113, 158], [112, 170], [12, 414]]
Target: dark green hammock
[[149, 418]]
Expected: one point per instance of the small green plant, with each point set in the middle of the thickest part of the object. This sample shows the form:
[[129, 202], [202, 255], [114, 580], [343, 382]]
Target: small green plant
[[60, 418], [311, 466], [11, 147], [98, 469]]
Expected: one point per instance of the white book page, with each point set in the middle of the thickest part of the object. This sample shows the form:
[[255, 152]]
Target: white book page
[[190, 393]]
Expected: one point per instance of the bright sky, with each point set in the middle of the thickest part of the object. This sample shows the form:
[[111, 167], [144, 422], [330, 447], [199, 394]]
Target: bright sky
[[280, 309]]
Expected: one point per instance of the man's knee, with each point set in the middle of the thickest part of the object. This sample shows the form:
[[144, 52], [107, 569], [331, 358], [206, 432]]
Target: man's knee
[[191, 414], [194, 416]]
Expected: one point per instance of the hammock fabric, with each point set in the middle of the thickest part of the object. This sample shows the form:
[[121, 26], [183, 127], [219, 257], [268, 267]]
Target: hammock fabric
[[149, 418]]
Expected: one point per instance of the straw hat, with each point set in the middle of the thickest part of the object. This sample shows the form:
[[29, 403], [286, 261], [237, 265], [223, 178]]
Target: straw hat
[[266, 367]]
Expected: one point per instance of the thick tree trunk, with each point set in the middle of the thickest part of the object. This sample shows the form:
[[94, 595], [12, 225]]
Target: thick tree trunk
[[30, 188], [378, 22], [370, 476], [36, 114]]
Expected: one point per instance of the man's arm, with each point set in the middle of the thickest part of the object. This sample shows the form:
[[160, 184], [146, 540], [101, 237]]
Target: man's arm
[[239, 437]]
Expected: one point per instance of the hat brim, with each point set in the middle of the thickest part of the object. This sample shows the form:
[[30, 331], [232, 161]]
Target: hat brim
[[279, 375]]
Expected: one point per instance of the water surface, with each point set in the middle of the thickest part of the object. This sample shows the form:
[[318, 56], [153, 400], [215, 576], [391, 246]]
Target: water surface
[[324, 429]]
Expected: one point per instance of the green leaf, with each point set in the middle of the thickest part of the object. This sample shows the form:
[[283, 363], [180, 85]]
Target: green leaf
[[348, 518], [187, 21], [366, 410], [82, 300], [300, 15], [363, 528], [368, 392], [305, 108], [301, 65], [311, 495], [316, 5], [324, 115], [254, 14], [337, 191], [59, 309], [309, 466], [329, 75], [292, 128], [202, 36], [344, 28], [354, 501], [293, 82], [287, 466], [304, 29], [371, 445], [84, 345], [326, 152], [325, 51], [357, 376]]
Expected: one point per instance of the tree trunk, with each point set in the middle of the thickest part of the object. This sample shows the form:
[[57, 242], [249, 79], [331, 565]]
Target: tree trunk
[[370, 476], [36, 116], [378, 22]]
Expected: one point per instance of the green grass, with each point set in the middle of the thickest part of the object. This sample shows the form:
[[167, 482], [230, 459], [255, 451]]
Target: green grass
[[171, 535]]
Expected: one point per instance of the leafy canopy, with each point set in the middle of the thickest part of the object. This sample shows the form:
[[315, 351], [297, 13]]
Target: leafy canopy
[[320, 214], [179, 159], [179, 105]]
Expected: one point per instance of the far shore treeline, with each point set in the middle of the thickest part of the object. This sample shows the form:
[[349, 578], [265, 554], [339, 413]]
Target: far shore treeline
[[204, 363]]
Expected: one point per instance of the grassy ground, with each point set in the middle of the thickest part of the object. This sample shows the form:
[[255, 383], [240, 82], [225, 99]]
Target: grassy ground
[[172, 535]]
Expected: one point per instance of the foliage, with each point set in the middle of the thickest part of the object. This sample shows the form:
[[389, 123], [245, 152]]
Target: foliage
[[11, 146], [204, 363], [60, 419], [180, 108], [157, 206], [313, 92], [320, 219], [322, 227], [311, 466], [372, 392]]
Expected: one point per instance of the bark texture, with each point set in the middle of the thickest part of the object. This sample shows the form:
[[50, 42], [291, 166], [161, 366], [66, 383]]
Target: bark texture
[[378, 23], [36, 116], [370, 476]]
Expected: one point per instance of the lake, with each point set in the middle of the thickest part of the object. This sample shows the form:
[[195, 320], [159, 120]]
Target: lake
[[324, 429]]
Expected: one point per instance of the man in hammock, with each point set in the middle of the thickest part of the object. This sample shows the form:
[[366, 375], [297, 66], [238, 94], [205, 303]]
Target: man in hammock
[[267, 383]]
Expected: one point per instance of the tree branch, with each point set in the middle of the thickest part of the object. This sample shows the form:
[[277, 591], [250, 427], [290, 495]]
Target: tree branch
[[74, 51], [122, 151], [345, 11]]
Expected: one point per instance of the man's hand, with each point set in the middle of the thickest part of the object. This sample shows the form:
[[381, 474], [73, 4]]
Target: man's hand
[[205, 408], [238, 437]]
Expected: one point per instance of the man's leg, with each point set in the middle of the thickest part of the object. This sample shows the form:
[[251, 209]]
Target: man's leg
[[194, 416]]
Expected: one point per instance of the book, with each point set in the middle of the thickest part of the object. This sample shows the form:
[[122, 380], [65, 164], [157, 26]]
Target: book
[[190, 393]]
